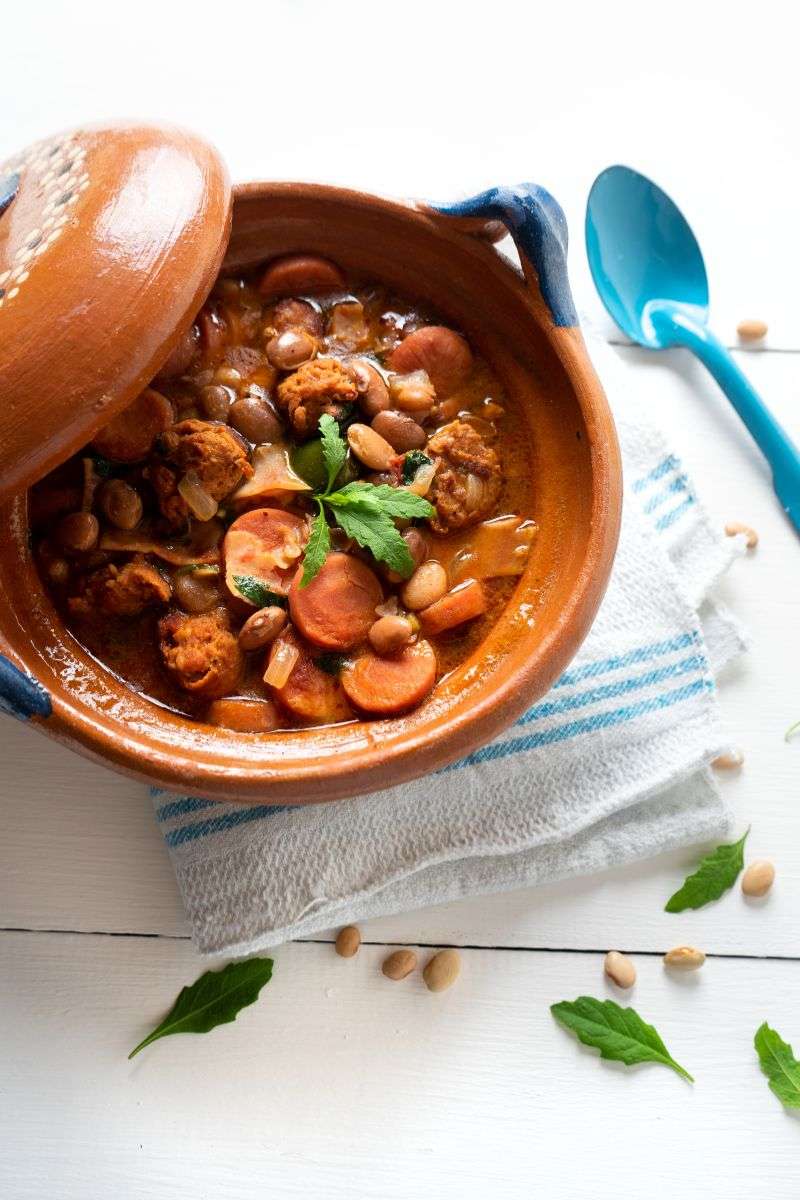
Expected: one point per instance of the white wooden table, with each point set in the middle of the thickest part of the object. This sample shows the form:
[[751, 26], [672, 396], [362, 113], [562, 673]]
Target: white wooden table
[[338, 1084]]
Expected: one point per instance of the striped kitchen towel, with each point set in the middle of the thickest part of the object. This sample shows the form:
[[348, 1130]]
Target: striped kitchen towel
[[611, 766]]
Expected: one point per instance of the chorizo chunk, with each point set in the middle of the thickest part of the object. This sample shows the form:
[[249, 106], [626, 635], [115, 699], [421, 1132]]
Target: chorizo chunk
[[321, 386], [467, 482], [212, 451], [121, 591], [200, 652]]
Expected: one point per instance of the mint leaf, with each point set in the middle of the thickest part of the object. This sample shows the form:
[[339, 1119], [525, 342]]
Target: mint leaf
[[779, 1065], [716, 873], [318, 547], [375, 531], [213, 999], [412, 463], [256, 592], [618, 1033], [334, 447], [394, 501], [791, 731]]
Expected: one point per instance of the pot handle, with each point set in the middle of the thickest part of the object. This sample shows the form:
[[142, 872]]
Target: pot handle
[[538, 226], [21, 695]]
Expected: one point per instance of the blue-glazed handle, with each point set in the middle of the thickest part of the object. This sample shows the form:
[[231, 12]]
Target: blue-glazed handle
[[675, 325], [538, 226], [20, 695]]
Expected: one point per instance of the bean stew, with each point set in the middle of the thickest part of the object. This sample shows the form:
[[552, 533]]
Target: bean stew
[[314, 512]]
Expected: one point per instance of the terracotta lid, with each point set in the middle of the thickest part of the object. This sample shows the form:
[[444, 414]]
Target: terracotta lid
[[110, 240]]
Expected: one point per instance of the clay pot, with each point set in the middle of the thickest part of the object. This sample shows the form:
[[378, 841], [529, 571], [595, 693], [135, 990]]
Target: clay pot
[[525, 327]]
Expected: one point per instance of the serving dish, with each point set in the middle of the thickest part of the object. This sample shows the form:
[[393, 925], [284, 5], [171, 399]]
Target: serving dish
[[523, 323]]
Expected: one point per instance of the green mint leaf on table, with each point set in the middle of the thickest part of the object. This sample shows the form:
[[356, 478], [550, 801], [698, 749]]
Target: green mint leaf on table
[[791, 731], [412, 463], [376, 532], [716, 873], [257, 593], [618, 1033], [779, 1065], [393, 501], [331, 663], [214, 999], [334, 447], [318, 547]]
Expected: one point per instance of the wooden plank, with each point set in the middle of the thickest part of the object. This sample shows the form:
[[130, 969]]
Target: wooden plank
[[338, 1083], [81, 850]]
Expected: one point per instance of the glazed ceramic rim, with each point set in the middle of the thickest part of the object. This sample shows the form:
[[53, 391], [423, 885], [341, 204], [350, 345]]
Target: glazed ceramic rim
[[451, 735]]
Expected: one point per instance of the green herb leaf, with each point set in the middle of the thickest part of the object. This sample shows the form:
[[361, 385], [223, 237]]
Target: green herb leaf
[[334, 447], [412, 463], [376, 532], [318, 547], [717, 872], [199, 568], [331, 663], [213, 999], [791, 731], [102, 466], [393, 501], [618, 1033], [779, 1065], [256, 592]]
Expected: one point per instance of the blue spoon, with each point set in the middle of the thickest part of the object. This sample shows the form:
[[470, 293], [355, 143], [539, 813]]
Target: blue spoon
[[649, 271]]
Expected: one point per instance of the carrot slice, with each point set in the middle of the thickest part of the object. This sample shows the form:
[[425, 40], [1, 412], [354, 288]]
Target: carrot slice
[[335, 611], [440, 351], [263, 544], [390, 685], [129, 436], [313, 695], [245, 716], [297, 274], [463, 603]]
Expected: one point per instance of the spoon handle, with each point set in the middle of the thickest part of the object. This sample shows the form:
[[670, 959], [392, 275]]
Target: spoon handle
[[780, 451]]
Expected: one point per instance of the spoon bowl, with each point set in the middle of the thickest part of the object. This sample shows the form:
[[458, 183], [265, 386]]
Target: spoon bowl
[[648, 268]]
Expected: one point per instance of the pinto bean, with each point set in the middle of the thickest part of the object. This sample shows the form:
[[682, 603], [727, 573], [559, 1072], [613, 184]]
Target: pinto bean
[[296, 314], [373, 394], [245, 716], [400, 430], [440, 351], [336, 609], [120, 503], [368, 446], [389, 634], [215, 402], [313, 695], [427, 585], [195, 591], [265, 545], [78, 532], [464, 603], [181, 355], [289, 349], [129, 436], [261, 628], [297, 273], [255, 420], [386, 686]]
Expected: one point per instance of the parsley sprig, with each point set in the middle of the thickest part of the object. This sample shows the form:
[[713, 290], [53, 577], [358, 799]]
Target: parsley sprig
[[366, 512]]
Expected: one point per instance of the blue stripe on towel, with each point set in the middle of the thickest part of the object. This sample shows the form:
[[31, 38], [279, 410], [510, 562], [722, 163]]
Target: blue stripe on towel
[[605, 720], [664, 467], [610, 691], [200, 829], [671, 517], [641, 654], [678, 485], [178, 808]]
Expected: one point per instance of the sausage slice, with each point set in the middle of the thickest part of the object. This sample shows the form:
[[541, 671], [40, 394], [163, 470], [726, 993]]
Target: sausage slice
[[335, 611], [440, 351], [296, 274], [312, 695], [263, 544], [129, 436], [386, 686]]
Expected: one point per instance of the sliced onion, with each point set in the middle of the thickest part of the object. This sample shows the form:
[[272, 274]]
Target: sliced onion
[[492, 549], [474, 491], [389, 608], [141, 543], [202, 505], [282, 661], [423, 479], [272, 474]]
